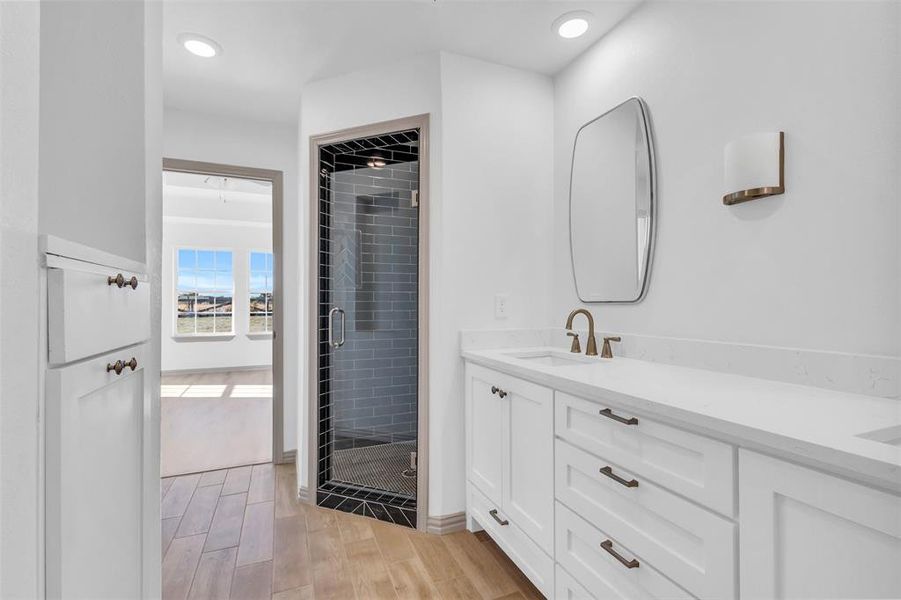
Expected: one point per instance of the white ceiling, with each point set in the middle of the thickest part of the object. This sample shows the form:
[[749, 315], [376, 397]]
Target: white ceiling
[[272, 48], [190, 197]]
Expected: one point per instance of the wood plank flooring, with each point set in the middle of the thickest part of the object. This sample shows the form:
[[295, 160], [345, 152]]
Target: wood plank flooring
[[241, 533]]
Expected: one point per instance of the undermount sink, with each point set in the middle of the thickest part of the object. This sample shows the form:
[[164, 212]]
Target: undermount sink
[[551, 358], [888, 435]]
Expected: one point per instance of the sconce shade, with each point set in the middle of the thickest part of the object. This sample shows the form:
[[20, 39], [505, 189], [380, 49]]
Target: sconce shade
[[754, 167]]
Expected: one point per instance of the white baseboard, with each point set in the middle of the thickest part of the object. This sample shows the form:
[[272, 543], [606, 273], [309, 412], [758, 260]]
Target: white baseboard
[[445, 524]]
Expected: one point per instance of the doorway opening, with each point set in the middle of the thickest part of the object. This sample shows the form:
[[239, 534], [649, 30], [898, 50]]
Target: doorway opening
[[368, 350], [221, 399]]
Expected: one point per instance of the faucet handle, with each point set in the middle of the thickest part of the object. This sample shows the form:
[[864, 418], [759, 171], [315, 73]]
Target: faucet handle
[[606, 351], [576, 346]]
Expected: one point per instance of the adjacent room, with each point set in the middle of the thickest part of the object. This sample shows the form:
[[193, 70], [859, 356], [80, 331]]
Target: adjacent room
[[217, 279]]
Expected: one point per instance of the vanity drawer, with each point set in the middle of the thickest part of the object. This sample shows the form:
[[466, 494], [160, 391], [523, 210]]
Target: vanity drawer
[[567, 587], [689, 544], [528, 556], [579, 551], [694, 466], [87, 316]]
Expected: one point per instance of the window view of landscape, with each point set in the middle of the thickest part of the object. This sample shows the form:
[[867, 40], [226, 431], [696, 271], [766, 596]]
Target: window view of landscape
[[205, 289], [260, 292]]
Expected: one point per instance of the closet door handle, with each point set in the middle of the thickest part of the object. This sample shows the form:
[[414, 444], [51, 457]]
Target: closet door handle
[[608, 471], [610, 415], [608, 546], [493, 513]]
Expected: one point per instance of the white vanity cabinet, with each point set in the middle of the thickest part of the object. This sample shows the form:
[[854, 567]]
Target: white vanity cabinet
[[806, 534], [644, 507], [510, 467]]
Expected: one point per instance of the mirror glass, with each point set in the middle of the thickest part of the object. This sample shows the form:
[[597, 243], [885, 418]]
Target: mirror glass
[[611, 205]]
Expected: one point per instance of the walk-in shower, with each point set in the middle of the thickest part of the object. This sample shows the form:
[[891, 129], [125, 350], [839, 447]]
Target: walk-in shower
[[368, 325]]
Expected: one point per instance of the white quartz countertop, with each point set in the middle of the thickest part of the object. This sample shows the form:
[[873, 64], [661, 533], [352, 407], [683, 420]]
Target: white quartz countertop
[[853, 435]]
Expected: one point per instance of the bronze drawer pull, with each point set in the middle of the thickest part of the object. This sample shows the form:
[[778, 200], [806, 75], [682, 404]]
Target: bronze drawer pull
[[121, 282], [498, 391], [493, 513], [608, 546], [120, 365], [609, 414], [608, 471]]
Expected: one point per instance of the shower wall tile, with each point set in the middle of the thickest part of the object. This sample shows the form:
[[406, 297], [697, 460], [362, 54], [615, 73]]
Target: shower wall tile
[[374, 256]]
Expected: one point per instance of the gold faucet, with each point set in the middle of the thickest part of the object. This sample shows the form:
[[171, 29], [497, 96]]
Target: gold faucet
[[591, 349]]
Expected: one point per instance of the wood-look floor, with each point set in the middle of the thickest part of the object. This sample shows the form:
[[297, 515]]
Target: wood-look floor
[[241, 533]]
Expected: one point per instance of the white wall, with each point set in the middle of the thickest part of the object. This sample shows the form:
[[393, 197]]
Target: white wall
[[79, 82], [240, 350], [815, 268], [153, 155], [494, 233], [92, 124], [405, 88], [19, 318], [491, 165], [210, 138]]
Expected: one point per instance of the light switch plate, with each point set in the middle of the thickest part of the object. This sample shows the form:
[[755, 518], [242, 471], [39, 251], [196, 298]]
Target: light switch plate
[[500, 305]]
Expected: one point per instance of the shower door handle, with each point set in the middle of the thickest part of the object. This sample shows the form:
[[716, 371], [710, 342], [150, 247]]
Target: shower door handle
[[331, 320]]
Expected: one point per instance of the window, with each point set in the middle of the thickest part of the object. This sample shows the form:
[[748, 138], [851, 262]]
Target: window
[[205, 289], [260, 292]]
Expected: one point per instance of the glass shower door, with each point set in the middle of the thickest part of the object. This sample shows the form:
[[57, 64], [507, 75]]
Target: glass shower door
[[368, 326]]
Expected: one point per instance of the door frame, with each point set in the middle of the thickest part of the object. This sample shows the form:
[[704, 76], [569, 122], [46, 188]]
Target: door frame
[[276, 178], [420, 122]]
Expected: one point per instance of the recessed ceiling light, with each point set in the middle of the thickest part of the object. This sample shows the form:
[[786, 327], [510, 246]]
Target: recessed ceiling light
[[572, 24], [199, 45]]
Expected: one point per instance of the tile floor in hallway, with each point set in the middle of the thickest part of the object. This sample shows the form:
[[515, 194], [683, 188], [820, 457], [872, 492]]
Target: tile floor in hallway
[[241, 533]]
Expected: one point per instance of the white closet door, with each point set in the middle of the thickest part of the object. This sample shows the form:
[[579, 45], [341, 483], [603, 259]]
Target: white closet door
[[94, 478]]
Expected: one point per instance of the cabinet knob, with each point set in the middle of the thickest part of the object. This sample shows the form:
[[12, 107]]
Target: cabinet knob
[[120, 282], [117, 367], [498, 391], [121, 365]]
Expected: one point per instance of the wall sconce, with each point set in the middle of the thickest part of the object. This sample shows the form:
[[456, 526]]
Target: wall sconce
[[754, 167]]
